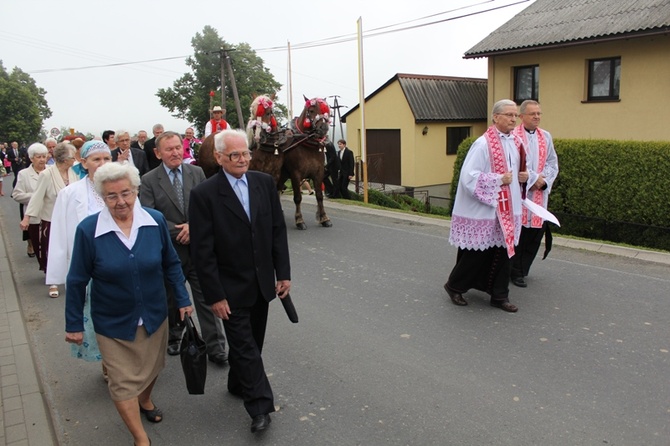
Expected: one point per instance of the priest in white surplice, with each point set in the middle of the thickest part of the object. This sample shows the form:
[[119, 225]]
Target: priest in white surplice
[[486, 220], [543, 165]]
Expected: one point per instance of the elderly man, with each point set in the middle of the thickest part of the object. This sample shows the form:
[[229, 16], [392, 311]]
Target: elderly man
[[240, 248], [167, 190], [124, 153], [150, 145], [486, 220], [189, 142], [50, 144], [217, 123], [141, 139], [543, 168]]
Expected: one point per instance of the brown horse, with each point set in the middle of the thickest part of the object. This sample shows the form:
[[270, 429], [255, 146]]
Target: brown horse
[[295, 154]]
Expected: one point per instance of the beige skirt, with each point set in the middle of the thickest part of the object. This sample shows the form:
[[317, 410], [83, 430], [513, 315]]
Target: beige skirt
[[133, 365]]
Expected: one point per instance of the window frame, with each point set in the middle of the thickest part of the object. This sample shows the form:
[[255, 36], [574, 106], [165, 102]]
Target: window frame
[[459, 128], [535, 83], [613, 80]]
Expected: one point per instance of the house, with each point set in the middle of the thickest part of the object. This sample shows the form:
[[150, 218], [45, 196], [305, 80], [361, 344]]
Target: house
[[414, 124], [598, 67]]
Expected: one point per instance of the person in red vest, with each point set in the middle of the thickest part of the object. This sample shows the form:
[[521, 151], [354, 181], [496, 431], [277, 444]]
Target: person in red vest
[[217, 123]]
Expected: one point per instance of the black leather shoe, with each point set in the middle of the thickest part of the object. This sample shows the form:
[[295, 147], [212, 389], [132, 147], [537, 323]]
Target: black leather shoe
[[504, 305], [520, 282], [260, 423], [456, 298], [219, 358], [173, 349]]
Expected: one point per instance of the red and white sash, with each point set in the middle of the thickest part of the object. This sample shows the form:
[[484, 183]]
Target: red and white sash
[[499, 165], [538, 196]]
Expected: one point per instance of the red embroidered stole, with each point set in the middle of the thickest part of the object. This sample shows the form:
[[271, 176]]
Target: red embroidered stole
[[218, 125], [538, 196], [499, 165]]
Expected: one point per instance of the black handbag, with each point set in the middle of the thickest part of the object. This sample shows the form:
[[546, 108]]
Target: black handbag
[[193, 352]]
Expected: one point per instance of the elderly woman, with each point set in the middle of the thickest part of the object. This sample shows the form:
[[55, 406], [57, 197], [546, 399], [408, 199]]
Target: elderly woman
[[26, 184], [50, 182], [74, 203], [130, 315]]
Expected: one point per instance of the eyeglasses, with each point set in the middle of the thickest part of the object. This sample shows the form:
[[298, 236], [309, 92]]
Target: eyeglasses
[[125, 196], [235, 156], [509, 115]]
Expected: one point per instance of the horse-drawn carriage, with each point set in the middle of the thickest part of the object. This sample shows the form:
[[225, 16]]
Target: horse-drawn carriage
[[296, 153]]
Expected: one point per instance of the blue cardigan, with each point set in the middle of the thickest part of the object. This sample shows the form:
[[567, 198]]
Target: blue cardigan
[[126, 284]]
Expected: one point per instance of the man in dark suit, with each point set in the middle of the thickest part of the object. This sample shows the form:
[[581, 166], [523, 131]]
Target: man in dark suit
[[141, 139], [126, 153], [346, 173], [331, 169], [19, 160], [159, 191], [150, 145], [240, 247]]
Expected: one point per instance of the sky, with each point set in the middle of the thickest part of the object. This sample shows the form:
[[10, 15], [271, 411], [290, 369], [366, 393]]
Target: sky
[[51, 40]]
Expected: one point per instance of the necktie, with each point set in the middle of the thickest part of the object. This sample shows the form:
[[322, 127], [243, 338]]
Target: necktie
[[239, 185], [178, 188]]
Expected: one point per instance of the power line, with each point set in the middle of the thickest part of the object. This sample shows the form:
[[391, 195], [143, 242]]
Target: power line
[[318, 43]]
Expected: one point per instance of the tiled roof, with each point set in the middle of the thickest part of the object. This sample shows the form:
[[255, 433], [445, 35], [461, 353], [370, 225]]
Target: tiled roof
[[440, 98], [548, 23]]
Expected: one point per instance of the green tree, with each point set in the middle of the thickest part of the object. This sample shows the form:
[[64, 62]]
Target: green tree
[[188, 98], [23, 106]]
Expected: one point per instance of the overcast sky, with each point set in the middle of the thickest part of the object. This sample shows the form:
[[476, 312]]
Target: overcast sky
[[47, 38]]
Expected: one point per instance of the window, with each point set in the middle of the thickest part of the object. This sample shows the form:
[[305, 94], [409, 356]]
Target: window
[[526, 83], [455, 136], [604, 79]]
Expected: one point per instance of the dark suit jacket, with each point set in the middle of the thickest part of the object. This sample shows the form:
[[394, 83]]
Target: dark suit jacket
[[18, 162], [139, 159], [332, 160], [149, 146], [157, 192], [347, 167], [235, 257]]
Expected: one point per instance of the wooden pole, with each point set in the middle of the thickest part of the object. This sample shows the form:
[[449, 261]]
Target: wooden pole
[[233, 86], [361, 99]]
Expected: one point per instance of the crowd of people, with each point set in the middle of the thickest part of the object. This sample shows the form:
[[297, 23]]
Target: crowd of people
[[94, 211], [115, 206]]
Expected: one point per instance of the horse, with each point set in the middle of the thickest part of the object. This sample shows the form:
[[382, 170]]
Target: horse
[[295, 154]]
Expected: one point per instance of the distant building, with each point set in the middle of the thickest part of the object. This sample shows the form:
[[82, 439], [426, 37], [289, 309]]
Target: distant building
[[414, 124], [598, 67]]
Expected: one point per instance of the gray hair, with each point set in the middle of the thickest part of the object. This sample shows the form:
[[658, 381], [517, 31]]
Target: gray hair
[[114, 172], [157, 127], [37, 149], [63, 151], [166, 135], [118, 134], [526, 103], [221, 137], [50, 139], [498, 106]]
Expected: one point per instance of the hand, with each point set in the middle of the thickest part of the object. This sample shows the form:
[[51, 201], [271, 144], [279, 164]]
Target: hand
[[221, 309], [75, 338], [123, 156], [184, 236], [185, 311], [539, 184], [25, 223], [507, 178], [282, 288], [523, 176]]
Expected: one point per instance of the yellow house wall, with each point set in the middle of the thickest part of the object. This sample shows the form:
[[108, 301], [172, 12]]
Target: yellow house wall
[[423, 157], [642, 112]]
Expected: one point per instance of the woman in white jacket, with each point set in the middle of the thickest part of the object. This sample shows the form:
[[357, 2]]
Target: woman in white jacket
[[74, 203]]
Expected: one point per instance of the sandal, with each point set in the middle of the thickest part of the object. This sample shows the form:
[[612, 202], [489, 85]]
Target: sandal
[[154, 415], [53, 291]]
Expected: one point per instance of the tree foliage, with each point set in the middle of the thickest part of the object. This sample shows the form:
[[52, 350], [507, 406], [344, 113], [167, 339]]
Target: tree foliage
[[189, 99], [23, 106]]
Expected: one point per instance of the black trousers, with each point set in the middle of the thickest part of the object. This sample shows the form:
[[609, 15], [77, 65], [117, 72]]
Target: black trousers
[[486, 271], [342, 187], [525, 252], [245, 330]]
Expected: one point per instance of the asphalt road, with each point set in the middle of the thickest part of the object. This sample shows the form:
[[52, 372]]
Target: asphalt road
[[381, 357]]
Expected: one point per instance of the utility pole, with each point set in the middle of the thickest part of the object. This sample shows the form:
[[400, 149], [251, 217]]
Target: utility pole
[[336, 107], [223, 77], [233, 85]]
